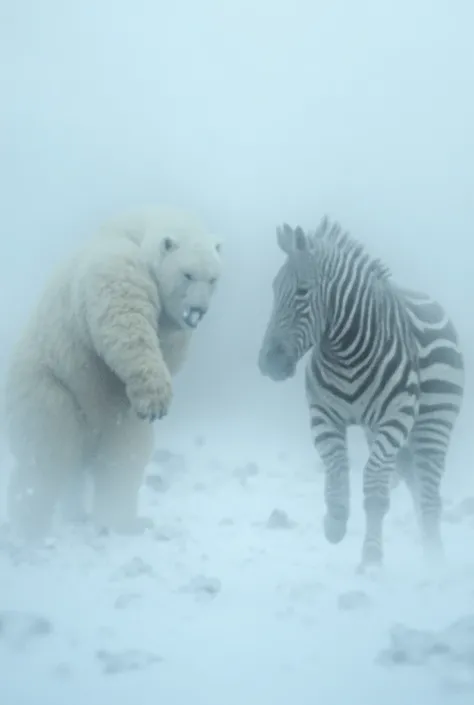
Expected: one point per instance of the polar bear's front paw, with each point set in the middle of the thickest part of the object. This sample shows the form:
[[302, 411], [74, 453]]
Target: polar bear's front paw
[[151, 399]]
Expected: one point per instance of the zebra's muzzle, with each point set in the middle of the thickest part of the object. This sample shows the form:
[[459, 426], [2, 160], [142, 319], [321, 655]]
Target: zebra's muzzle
[[276, 363], [279, 374]]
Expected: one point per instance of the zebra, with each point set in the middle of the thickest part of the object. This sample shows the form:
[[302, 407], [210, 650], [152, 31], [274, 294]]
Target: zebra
[[383, 358]]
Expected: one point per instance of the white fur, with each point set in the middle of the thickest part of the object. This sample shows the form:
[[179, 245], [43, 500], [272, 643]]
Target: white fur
[[94, 364]]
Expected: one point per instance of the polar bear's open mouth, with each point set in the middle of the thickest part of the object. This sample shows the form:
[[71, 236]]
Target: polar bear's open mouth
[[192, 316]]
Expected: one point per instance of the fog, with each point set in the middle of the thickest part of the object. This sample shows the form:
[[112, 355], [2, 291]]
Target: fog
[[250, 114]]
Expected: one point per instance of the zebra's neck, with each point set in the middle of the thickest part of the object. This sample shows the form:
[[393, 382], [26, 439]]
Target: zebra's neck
[[359, 313]]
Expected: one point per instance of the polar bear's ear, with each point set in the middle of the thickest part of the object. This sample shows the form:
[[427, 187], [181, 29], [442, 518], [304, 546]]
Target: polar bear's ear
[[169, 244]]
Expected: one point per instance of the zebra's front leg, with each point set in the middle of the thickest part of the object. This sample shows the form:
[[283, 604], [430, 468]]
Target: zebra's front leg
[[376, 487], [395, 476], [331, 443]]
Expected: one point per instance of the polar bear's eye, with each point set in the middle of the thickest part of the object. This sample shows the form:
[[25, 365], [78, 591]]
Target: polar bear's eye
[[188, 276], [212, 281]]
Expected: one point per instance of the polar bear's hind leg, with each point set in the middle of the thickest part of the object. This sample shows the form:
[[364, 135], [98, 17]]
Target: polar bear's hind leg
[[48, 449], [118, 472]]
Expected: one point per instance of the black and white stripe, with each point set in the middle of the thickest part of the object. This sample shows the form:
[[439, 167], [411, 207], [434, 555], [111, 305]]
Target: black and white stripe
[[383, 358]]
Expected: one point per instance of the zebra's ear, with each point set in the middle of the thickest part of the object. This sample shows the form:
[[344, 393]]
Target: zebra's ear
[[285, 238], [300, 240]]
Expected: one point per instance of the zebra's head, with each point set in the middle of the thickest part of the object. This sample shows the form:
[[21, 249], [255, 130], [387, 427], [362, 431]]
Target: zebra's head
[[289, 333]]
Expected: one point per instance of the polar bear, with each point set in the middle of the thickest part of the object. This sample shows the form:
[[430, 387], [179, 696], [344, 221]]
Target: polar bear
[[94, 364]]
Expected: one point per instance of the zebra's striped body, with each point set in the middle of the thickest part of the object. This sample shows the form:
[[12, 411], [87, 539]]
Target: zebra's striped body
[[382, 357]]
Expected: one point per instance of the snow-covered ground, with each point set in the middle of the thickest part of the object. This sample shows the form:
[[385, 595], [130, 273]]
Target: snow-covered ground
[[236, 598]]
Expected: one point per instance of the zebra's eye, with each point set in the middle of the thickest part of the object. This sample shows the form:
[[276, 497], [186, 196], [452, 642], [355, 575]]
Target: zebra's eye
[[301, 291]]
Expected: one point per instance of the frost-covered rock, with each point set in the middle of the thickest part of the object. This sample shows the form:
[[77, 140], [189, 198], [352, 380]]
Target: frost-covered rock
[[115, 662], [450, 651], [411, 646], [156, 482], [126, 599], [166, 467], [162, 456], [203, 586], [134, 568], [460, 511], [18, 629], [353, 600], [279, 519], [166, 533], [245, 472]]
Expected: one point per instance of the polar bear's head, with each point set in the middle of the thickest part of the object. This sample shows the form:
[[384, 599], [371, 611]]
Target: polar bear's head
[[184, 259]]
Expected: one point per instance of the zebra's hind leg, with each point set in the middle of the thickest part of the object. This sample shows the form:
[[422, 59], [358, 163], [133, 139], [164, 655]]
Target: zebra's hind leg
[[429, 469], [330, 441], [406, 470]]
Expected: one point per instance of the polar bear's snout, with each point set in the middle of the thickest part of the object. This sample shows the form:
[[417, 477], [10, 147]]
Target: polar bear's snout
[[193, 315]]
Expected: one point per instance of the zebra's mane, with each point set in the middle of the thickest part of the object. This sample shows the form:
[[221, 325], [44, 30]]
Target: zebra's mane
[[333, 235]]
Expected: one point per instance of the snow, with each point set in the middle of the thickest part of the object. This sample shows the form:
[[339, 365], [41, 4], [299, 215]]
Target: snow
[[236, 597], [250, 114]]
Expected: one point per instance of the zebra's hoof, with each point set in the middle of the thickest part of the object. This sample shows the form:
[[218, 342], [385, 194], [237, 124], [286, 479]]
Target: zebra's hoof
[[334, 529], [371, 560], [369, 570]]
